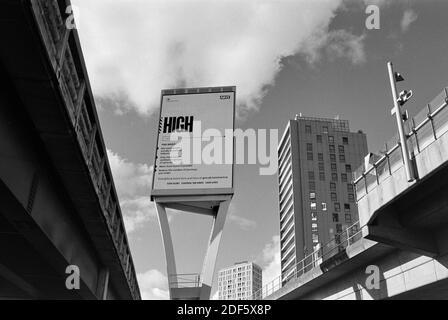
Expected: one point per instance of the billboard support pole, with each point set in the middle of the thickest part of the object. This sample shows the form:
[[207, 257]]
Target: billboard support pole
[[167, 243], [219, 213], [212, 251]]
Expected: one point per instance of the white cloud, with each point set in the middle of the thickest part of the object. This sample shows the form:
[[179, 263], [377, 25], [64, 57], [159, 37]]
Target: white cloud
[[130, 179], [153, 285], [270, 261], [133, 49], [244, 223], [136, 212], [409, 17], [341, 43], [132, 182], [336, 44]]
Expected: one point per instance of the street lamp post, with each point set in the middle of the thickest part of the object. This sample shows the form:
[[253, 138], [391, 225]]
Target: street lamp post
[[399, 117]]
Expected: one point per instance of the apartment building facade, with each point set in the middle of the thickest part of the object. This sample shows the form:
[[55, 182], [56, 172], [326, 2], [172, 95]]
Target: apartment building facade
[[316, 193], [241, 281]]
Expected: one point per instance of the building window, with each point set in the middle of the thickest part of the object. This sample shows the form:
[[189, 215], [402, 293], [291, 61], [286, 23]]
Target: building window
[[321, 166], [349, 188], [332, 157], [309, 156], [330, 139], [345, 140], [325, 129], [337, 207], [319, 138], [341, 149], [307, 129], [335, 217], [334, 176], [348, 218], [332, 148], [314, 227], [324, 206], [343, 177], [351, 197], [314, 216], [334, 167], [315, 238], [312, 196], [312, 185], [309, 147], [346, 207], [332, 186], [348, 168], [313, 206], [337, 239], [320, 156], [322, 176], [310, 175], [338, 228], [334, 196], [341, 158]]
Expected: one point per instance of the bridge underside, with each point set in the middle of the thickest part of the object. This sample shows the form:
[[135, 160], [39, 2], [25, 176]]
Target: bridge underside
[[25, 270], [416, 219], [400, 274], [52, 211], [39, 233], [434, 291]]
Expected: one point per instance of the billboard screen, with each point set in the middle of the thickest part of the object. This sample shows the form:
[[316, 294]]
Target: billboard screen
[[194, 154]]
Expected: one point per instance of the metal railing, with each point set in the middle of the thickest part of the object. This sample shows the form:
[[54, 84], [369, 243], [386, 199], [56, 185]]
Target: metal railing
[[72, 80], [426, 127], [338, 244], [184, 280], [336, 124]]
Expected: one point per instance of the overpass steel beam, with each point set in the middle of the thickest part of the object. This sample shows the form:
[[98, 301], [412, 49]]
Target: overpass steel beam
[[78, 107], [19, 282], [30, 228], [62, 47], [103, 284]]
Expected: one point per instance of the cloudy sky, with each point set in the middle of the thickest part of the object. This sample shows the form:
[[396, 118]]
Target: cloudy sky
[[314, 57]]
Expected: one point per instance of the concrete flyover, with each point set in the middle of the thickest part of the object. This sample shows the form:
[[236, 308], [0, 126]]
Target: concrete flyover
[[58, 203], [411, 215], [403, 225], [402, 275]]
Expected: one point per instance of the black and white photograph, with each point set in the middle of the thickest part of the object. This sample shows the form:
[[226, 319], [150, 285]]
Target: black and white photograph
[[232, 157]]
